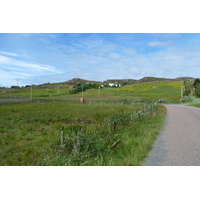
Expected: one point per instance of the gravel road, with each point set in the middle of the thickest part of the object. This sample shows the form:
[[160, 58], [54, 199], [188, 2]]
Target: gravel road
[[178, 144]]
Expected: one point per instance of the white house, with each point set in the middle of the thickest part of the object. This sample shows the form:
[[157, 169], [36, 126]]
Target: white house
[[111, 84], [114, 84]]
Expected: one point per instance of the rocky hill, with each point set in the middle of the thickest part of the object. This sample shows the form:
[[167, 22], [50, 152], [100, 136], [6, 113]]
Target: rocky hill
[[79, 80], [121, 81], [147, 79], [74, 81]]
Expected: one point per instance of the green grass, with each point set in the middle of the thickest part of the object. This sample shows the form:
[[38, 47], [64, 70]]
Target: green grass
[[169, 90], [195, 102], [36, 92], [99, 132], [94, 134], [154, 90]]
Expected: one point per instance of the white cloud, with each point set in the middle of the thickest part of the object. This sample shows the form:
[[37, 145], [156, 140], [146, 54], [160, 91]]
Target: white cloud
[[158, 43], [7, 78], [21, 65], [114, 55], [8, 53], [102, 65], [36, 67], [13, 69], [106, 61]]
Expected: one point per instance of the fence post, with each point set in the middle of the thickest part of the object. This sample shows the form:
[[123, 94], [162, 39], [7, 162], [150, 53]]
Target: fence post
[[62, 139]]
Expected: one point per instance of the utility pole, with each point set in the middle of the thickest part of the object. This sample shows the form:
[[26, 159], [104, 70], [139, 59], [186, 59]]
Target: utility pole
[[31, 92], [99, 93], [58, 89], [17, 81], [82, 91], [181, 91], [10, 91]]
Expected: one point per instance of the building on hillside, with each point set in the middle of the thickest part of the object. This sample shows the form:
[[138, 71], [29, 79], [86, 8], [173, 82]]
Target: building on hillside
[[111, 84], [114, 85]]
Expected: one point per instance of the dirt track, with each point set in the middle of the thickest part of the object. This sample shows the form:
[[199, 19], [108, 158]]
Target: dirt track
[[178, 144]]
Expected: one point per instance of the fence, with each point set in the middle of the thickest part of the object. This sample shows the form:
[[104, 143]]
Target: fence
[[59, 140], [27, 100]]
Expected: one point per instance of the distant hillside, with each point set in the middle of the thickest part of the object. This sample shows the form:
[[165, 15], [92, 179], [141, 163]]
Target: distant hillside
[[74, 81], [152, 79], [79, 80], [184, 79], [147, 79], [71, 82], [121, 81]]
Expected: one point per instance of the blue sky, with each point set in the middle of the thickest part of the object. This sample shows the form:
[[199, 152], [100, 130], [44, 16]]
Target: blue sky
[[52, 57]]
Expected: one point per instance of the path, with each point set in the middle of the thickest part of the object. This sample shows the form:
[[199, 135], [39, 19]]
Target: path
[[178, 144]]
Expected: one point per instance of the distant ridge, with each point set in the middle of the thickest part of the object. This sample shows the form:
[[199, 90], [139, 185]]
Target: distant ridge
[[79, 80], [75, 81], [152, 79], [185, 78], [148, 79], [121, 81]]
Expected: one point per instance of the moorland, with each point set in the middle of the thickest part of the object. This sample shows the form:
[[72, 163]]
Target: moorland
[[47, 125]]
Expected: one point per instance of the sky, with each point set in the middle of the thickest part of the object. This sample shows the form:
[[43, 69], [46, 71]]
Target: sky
[[36, 58]]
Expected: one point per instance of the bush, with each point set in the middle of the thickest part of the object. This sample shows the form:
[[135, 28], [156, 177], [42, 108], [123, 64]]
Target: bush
[[196, 82], [185, 99], [197, 91]]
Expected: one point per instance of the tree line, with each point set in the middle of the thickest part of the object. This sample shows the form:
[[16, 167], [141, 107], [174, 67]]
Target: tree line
[[196, 85]]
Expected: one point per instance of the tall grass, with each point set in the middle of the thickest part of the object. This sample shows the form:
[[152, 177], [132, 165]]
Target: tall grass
[[93, 134]]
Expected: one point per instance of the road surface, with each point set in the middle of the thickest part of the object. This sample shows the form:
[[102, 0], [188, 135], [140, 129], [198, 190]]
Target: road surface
[[178, 144]]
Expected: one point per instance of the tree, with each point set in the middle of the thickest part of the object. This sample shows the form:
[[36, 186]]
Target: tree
[[196, 82], [197, 91]]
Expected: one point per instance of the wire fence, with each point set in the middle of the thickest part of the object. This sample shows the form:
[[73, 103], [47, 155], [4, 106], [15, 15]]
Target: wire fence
[[11, 100], [59, 139]]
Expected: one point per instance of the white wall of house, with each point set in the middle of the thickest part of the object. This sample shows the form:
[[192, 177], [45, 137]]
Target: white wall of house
[[114, 84], [111, 84]]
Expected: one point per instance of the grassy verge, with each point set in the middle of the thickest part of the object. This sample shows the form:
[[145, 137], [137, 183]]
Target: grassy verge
[[138, 138], [93, 134]]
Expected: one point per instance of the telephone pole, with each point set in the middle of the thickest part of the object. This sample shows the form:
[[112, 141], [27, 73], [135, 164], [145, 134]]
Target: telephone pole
[[10, 91], [31, 91], [82, 91], [99, 91], [58, 89]]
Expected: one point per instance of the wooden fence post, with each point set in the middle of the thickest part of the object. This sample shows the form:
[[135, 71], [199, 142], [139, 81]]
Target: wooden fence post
[[62, 139]]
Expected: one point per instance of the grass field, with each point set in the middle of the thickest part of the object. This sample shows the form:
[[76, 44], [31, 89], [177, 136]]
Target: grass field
[[115, 126], [154, 90], [150, 91], [94, 134]]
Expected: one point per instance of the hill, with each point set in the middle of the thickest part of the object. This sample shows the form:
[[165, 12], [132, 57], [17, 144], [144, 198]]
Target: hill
[[80, 81], [75, 81], [121, 81], [148, 79]]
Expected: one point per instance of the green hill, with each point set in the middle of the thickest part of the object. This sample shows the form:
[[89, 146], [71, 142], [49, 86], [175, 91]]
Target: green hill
[[150, 90], [154, 90]]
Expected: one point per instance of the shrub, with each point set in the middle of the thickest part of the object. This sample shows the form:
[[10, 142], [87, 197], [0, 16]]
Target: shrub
[[196, 82], [197, 91]]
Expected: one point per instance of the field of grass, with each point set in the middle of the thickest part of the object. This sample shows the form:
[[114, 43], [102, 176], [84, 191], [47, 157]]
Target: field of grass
[[36, 91], [168, 90], [154, 90], [116, 134], [115, 126]]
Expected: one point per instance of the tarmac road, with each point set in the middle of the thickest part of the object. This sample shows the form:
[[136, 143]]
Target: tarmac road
[[178, 144]]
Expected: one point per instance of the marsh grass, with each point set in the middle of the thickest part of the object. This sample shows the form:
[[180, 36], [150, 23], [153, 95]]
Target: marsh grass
[[94, 134], [114, 127]]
